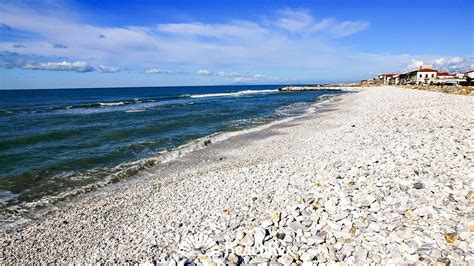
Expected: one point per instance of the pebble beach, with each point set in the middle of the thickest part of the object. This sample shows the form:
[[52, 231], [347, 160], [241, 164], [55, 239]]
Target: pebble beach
[[383, 175]]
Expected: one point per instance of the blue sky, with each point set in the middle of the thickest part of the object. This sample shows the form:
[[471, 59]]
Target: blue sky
[[71, 44]]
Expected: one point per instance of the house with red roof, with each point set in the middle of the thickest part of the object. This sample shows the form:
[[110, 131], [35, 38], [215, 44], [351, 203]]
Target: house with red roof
[[385, 78], [424, 75]]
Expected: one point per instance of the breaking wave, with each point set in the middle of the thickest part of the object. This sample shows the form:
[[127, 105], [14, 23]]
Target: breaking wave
[[233, 94]]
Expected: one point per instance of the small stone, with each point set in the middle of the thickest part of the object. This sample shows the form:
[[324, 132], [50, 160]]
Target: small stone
[[352, 231], [361, 253], [418, 185], [299, 199], [233, 259], [315, 217], [470, 196], [445, 261], [248, 240], [403, 248], [408, 213], [375, 207], [288, 239], [296, 225], [309, 255], [239, 250], [316, 240], [266, 224], [318, 186], [337, 246], [285, 259], [369, 199], [202, 258], [239, 235], [259, 235], [340, 215], [451, 237], [172, 262], [276, 217], [412, 258], [280, 236], [323, 250], [463, 246], [464, 235], [294, 256]]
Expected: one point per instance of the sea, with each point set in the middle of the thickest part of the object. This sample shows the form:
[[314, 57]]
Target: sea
[[57, 143]]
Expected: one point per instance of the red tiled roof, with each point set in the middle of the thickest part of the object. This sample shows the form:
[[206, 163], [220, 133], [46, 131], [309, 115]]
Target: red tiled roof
[[388, 75], [426, 70], [440, 73]]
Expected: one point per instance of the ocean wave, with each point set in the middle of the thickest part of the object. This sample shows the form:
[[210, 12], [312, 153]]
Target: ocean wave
[[5, 112], [112, 104], [104, 176], [292, 109], [232, 94], [130, 106], [135, 110], [120, 103]]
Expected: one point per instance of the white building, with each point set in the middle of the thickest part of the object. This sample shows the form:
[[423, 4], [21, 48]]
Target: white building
[[385, 78], [426, 76]]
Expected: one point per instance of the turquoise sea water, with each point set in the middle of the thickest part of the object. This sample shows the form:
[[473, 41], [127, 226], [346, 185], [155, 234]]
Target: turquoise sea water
[[55, 142]]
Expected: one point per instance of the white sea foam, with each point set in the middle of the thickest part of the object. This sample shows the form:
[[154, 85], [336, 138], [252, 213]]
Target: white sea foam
[[233, 94], [112, 104]]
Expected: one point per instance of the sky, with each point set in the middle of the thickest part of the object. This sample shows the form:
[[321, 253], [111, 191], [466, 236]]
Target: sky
[[77, 44]]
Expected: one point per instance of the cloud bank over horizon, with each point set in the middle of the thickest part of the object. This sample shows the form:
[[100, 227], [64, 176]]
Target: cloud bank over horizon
[[455, 63]]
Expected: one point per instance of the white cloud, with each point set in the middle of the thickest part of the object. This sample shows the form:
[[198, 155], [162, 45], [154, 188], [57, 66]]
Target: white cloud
[[204, 72], [294, 20], [162, 71], [235, 43], [456, 63], [236, 76], [75, 66], [236, 29], [414, 65], [346, 28], [440, 61], [59, 46], [107, 69], [456, 60], [18, 46], [301, 21], [323, 25], [78, 66]]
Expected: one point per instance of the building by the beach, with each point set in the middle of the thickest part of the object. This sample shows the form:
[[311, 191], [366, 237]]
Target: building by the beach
[[425, 75]]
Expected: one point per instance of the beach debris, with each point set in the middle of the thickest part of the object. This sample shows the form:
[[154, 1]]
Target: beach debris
[[418, 185]]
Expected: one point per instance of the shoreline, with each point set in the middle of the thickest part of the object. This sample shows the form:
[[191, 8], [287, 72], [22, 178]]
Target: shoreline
[[263, 187], [133, 170]]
